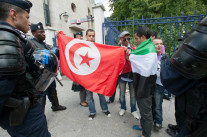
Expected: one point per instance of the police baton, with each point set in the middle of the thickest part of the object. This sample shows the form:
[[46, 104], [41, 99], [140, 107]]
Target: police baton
[[59, 81]]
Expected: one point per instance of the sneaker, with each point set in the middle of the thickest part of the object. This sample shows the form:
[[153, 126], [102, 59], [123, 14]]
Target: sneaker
[[136, 127], [107, 113], [91, 117], [121, 112], [135, 115]]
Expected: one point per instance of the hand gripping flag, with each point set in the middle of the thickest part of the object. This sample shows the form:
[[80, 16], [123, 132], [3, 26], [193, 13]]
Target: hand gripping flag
[[94, 66]]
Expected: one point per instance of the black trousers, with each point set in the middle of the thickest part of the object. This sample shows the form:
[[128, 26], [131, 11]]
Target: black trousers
[[112, 98], [145, 109], [179, 113]]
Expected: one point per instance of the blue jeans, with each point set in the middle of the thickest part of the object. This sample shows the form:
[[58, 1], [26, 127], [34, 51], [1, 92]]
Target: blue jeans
[[157, 100], [122, 85], [91, 103]]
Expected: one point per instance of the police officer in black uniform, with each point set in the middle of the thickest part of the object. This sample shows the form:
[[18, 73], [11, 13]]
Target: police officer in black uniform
[[20, 114], [38, 41], [185, 74]]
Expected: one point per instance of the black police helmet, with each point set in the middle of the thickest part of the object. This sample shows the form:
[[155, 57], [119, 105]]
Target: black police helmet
[[23, 4], [191, 57], [43, 66]]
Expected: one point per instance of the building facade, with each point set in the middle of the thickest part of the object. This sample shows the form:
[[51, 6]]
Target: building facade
[[52, 14], [98, 10]]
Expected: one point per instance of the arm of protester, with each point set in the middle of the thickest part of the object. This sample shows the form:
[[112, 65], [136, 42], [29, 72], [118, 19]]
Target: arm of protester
[[128, 52]]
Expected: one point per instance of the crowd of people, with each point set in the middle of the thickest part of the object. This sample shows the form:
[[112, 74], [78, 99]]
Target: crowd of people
[[26, 78]]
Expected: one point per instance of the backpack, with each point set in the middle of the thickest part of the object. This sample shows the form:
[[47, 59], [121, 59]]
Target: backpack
[[172, 80]]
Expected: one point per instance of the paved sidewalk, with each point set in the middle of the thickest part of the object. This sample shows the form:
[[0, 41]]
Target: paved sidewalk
[[74, 122]]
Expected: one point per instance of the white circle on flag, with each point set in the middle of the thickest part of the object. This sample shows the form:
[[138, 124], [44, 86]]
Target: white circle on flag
[[85, 47]]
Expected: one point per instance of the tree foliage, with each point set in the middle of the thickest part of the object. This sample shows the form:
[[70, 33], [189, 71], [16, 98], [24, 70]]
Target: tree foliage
[[128, 8], [169, 32]]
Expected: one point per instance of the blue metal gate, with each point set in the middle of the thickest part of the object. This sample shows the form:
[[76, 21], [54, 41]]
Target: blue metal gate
[[167, 28]]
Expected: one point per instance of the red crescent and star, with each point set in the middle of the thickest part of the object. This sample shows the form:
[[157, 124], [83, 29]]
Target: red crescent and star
[[85, 59]]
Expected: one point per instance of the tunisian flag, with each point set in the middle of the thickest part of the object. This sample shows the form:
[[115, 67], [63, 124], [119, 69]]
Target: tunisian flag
[[94, 66]]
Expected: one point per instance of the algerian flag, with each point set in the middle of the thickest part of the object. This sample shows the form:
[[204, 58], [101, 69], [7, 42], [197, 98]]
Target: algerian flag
[[144, 59]]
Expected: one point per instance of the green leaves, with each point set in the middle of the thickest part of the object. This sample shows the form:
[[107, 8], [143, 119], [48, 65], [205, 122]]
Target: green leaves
[[169, 32], [146, 8]]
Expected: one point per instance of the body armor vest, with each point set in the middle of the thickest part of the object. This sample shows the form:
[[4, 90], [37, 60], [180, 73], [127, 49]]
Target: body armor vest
[[12, 61], [11, 54]]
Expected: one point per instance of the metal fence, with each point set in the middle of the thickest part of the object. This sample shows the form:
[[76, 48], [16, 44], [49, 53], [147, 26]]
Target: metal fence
[[170, 29]]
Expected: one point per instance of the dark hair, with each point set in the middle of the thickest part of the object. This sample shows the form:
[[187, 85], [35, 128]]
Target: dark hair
[[89, 30], [158, 38], [154, 34], [143, 31], [5, 9]]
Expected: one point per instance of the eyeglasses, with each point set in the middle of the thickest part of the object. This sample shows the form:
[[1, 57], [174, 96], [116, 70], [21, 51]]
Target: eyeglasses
[[126, 39]]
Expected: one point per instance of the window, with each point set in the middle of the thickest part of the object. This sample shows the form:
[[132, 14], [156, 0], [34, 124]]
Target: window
[[73, 7], [47, 12]]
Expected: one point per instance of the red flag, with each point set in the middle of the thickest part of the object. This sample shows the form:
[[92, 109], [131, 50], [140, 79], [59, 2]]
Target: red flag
[[94, 66]]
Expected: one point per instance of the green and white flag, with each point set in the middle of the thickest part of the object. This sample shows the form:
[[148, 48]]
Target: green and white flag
[[144, 59], [144, 68]]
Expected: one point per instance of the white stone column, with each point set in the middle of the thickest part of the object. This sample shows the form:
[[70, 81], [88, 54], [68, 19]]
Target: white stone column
[[50, 33], [98, 11]]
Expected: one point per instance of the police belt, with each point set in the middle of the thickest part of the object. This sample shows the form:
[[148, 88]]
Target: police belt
[[18, 110]]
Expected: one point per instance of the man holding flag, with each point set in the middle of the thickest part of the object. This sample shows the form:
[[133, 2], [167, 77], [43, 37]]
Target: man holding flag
[[126, 79], [144, 67], [90, 36], [94, 66]]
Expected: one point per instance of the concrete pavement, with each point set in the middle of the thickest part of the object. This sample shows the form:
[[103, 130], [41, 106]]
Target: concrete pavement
[[74, 122]]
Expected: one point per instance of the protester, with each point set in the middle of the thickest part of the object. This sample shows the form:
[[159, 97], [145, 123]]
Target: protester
[[90, 36], [153, 35], [78, 87], [20, 113], [126, 78], [167, 95], [157, 97], [144, 67], [39, 36]]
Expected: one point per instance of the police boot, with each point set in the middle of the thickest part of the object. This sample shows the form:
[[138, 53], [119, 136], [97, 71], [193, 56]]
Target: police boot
[[172, 133], [42, 101], [55, 103]]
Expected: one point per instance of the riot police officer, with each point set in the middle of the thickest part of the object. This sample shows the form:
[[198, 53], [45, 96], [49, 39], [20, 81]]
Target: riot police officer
[[38, 41], [185, 74], [20, 114]]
